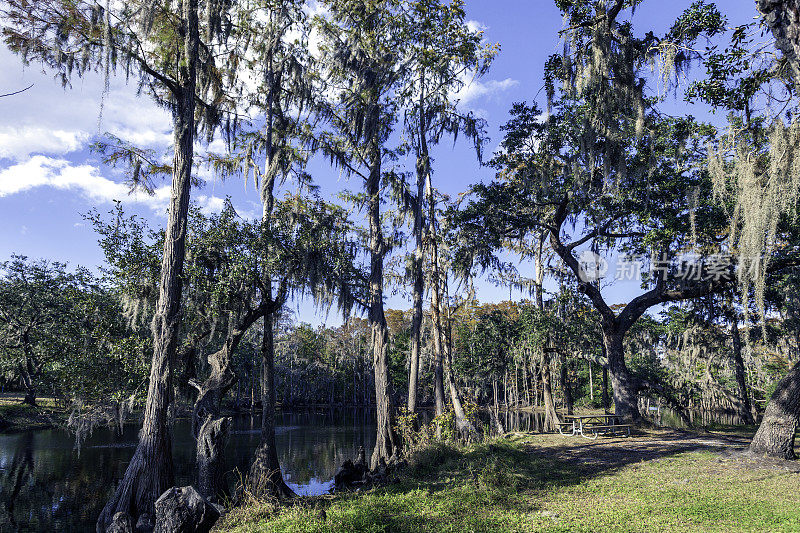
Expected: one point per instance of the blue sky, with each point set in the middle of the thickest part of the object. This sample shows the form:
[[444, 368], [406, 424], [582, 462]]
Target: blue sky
[[48, 178]]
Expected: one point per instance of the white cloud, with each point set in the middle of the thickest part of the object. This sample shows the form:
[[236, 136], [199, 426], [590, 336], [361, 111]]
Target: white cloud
[[476, 89], [47, 119], [18, 142], [210, 204], [475, 27], [42, 171]]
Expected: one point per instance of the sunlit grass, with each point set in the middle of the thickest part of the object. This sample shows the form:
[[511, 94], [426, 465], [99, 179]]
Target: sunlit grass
[[505, 486]]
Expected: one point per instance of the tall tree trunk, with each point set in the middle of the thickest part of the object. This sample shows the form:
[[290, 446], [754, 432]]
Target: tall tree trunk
[[438, 341], [387, 444], [526, 379], [551, 419], [775, 435], [463, 425], [28, 385], [591, 381], [423, 175], [29, 371], [150, 471], [265, 478], [605, 399], [745, 411]]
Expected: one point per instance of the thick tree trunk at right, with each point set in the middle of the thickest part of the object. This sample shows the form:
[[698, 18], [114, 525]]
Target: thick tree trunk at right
[[150, 471], [775, 435]]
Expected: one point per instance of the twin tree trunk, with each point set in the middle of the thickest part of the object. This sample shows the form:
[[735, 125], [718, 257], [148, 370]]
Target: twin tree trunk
[[551, 419], [209, 429], [438, 348], [150, 471], [419, 291], [463, 425], [423, 180]]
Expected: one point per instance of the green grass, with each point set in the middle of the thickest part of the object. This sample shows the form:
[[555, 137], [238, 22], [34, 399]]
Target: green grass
[[553, 483], [15, 415]]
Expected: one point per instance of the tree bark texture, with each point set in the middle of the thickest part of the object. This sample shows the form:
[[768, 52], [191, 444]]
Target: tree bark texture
[[783, 19], [624, 385], [551, 419], [775, 435], [150, 471], [387, 443]]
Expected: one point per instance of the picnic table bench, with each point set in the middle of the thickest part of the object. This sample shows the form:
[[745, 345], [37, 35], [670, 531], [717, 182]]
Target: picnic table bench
[[590, 426]]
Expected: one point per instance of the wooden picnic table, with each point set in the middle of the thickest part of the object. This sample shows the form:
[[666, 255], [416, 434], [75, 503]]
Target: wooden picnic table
[[593, 425]]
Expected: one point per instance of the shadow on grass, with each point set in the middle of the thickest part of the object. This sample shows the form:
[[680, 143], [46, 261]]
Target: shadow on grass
[[510, 477], [503, 485]]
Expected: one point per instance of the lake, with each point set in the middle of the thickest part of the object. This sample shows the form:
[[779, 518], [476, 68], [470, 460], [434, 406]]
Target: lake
[[46, 485]]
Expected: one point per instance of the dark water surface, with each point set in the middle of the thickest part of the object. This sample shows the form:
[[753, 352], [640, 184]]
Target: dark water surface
[[46, 485]]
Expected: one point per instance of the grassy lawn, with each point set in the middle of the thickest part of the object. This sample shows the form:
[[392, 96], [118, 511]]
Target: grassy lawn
[[16, 415], [659, 481]]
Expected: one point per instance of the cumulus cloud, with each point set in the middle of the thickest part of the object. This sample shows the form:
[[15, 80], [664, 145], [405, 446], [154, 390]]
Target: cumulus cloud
[[42, 171], [475, 89], [18, 142], [50, 120], [210, 204]]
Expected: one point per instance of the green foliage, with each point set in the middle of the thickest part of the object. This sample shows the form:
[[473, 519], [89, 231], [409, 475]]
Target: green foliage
[[62, 333]]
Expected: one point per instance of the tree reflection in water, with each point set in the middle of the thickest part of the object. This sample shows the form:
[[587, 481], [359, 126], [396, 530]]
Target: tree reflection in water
[[45, 485]]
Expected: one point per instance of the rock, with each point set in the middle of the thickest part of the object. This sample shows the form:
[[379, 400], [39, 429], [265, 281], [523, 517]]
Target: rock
[[121, 523], [184, 510], [350, 474]]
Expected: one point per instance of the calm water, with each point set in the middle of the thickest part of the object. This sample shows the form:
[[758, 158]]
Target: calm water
[[45, 485]]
